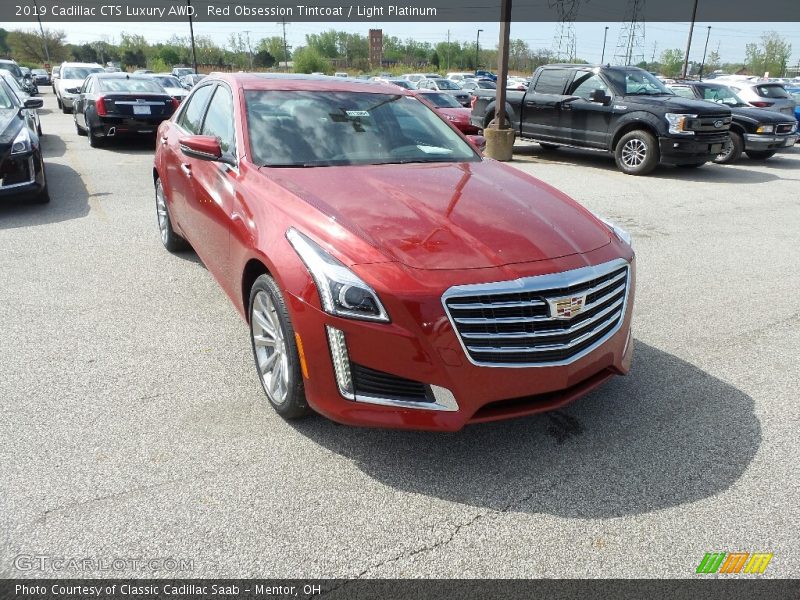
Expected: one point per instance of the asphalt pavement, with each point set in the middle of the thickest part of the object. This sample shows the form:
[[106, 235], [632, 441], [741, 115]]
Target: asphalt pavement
[[133, 425]]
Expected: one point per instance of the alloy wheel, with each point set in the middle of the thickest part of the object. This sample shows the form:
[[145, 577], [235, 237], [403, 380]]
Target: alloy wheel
[[634, 153], [163, 215], [272, 358]]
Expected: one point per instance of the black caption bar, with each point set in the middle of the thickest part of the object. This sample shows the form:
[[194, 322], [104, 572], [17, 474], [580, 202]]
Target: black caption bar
[[384, 589], [764, 11]]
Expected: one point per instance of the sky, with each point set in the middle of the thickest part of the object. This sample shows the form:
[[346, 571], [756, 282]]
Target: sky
[[729, 38]]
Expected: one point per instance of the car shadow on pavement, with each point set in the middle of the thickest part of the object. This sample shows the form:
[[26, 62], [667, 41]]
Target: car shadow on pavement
[[53, 146], [665, 435], [709, 172], [69, 199], [131, 145]]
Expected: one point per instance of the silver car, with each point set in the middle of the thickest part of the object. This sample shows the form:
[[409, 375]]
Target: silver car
[[771, 96], [448, 87]]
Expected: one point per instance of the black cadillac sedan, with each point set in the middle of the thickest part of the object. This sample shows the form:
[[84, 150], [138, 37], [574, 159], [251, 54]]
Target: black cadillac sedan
[[21, 164], [120, 104]]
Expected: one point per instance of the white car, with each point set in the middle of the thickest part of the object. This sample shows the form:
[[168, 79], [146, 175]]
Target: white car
[[414, 77], [70, 80], [459, 77], [171, 85]]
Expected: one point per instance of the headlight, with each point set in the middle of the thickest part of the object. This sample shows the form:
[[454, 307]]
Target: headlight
[[765, 129], [618, 231], [22, 143], [342, 292], [678, 123]]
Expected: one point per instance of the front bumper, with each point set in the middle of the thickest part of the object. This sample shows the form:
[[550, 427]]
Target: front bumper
[[755, 141], [691, 149], [68, 100], [22, 176], [420, 345]]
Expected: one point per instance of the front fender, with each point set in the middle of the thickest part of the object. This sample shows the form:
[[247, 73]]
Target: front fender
[[644, 119]]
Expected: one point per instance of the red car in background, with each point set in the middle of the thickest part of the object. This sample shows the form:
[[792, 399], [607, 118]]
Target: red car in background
[[451, 110], [390, 275]]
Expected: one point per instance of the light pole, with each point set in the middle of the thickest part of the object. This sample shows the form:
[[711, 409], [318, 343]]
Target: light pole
[[603, 56], [689, 42], [703, 64], [41, 29], [477, 50]]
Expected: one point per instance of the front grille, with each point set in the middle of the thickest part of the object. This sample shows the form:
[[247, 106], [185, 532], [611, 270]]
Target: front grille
[[377, 384], [515, 323], [785, 128], [17, 171], [708, 124]]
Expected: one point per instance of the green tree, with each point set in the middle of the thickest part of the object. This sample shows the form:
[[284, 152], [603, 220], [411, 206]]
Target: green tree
[[28, 46], [4, 49], [672, 62], [274, 46], [263, 59], [309, 60], [776, 52]]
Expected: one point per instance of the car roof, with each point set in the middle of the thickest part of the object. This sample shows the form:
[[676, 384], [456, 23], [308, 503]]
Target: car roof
[[296, 81]]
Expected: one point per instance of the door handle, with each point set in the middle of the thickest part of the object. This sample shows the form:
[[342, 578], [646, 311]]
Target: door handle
[[187, 169]]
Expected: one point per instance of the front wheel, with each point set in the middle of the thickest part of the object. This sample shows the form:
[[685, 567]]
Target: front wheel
[[637, 153], [760, 154], [275, 350], [732, 150]]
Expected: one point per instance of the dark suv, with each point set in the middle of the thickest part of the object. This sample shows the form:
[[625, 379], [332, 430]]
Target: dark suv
[[622, 110]]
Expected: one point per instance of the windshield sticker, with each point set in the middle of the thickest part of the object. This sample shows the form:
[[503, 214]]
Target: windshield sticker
[[357, 113]]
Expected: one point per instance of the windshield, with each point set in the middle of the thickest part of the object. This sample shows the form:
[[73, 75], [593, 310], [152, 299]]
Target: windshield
[[323, 128], [403, 84], [168, 81], [636, 83], [123, 84], [183, 71], [11, 68], [5, 98], [446, 84], [80, 72], [487, 85], [40, 72], [12, 83], [442, 100], [722, 94]]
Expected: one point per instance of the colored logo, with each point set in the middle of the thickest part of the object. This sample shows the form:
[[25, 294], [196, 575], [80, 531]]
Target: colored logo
[[734, 562], [566, 308]]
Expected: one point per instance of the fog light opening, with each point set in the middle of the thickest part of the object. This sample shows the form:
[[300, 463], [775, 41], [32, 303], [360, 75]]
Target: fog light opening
[[341, 362], [302, 354]]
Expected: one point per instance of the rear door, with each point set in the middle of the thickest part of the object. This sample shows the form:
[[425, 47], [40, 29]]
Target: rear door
[[175, 168], [541, 105], [584, 122], [214, 186]]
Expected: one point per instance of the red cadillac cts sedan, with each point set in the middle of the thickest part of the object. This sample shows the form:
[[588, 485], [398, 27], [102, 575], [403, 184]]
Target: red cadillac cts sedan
[[390, 275]]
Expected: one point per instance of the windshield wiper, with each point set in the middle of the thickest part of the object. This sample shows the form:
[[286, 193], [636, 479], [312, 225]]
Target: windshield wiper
[[290, 165]]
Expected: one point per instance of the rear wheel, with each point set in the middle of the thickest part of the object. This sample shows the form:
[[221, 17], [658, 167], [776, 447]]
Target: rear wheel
[[732, 150], [171, 240], [637, 153], [760, 154], [65, 109], [58, 101], [275, 350], [78, 128], [95, 141]]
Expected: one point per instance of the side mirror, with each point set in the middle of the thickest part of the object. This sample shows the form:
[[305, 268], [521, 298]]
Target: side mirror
[[201, 147], [73, 90], [599, 96], [478, 141], [33, 103], [26, 76]]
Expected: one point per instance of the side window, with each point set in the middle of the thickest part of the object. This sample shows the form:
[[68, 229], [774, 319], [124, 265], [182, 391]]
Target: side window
[[192, 116], [87, 86], [219, 119], [552, 81], [684, 91], [585, 84]]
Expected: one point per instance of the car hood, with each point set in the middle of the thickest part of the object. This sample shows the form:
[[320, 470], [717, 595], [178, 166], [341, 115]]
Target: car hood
[[448, 215], [679, 104], [462, 114], [759, 115], [10, 124]]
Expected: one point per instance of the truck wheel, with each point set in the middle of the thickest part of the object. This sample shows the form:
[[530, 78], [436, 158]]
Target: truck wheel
[[732, 150], [760, 154], [636, 153], [549, 147]]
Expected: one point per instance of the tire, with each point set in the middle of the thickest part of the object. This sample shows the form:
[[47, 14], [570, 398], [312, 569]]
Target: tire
[[760, 154], [171, 240], [42, 197], [39, 129], [275, 350], [549, 147], [58, 101], [637, 153], [732, 151], [95, 141], [79, 129], [65, 109]]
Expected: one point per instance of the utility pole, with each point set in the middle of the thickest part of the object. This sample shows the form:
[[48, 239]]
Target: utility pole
[[502, 75], [603, 56], [703, 64], [689, 42], [41, 29], [655, 48], [477, 50], [249, 50], [191, 35], [285, 47]]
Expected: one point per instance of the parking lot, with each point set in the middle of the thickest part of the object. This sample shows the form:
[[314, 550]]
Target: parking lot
[[134, 425]]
